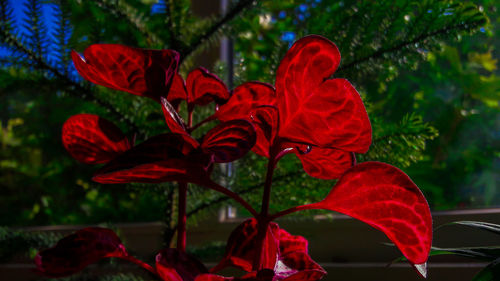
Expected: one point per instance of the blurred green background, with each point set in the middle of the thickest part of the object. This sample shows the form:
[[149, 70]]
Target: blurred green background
[[427, 72]]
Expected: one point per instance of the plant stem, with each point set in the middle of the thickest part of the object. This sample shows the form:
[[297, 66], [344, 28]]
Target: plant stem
[[296, 209], [206, 120], [190, 118], [264, 219], [215, 186], [141, 264], [181, 219]]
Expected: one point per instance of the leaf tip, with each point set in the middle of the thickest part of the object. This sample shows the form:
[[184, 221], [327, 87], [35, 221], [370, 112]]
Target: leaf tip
[[421, 269]]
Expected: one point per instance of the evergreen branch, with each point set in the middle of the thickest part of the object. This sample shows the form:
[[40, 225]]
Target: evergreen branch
[[221, 199], [124, 11], [83, 92], [231, 14], [379, 53]]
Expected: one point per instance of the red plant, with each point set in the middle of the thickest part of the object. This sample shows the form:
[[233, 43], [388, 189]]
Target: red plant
[[322, 120]]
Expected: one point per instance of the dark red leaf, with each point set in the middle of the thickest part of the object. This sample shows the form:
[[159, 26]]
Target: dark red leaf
[[314, 110], [162, 158], [230, 140], [385, 198], [175, 122], [265, 119], [93, 140], [204, 87], [74, 252], [177, 91], [326, 163], [245, 98], [242, 247], [137, 71], [174, 265]]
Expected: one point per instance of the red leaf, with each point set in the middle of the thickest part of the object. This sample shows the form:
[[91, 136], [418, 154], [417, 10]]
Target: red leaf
[[175, 122], [245, 98], [313, 110], [177, 91], [93, 140], [167, 157], [326, 163], [385, 198], [174, 265], [294, 263], [137, 71], [265, 119], [230, 140], [204, 87], [242, 247], [74, 252]]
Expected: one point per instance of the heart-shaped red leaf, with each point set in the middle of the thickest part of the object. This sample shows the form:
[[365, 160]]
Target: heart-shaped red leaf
[[177, 91], [204, 87], [93, 140], [137, 71], [326, 163], [385, 198], [175, 265], [242, 247], [74, 252], [230, 140], [246, 98], [161, 158], [314, 110]]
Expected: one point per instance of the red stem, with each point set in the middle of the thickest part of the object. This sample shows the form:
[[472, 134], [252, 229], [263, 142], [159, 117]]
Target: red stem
[[141, 264], [190, 118], [215, 186], [181, 219], [264, 219], [296, 209], [206, 120]]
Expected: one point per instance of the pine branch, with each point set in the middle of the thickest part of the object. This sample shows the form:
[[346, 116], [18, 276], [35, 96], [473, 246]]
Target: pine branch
[[202, 38], [205, 205], [83, 92], [123, 11], [379, 53], [61, 35]]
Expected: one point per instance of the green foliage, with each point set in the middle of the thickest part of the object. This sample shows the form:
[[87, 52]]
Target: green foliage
[[396, 53]]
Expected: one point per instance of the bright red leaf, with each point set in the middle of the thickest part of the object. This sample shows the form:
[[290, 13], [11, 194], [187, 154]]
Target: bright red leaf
[[314, 110], [245, 98], [242, 247], [140, 72], [294, 263], [385, 198], [254, 100], [93, 140], [74, 252], [326, 163], [167, 157], [285, 254], [230, 140], [174, 265]]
